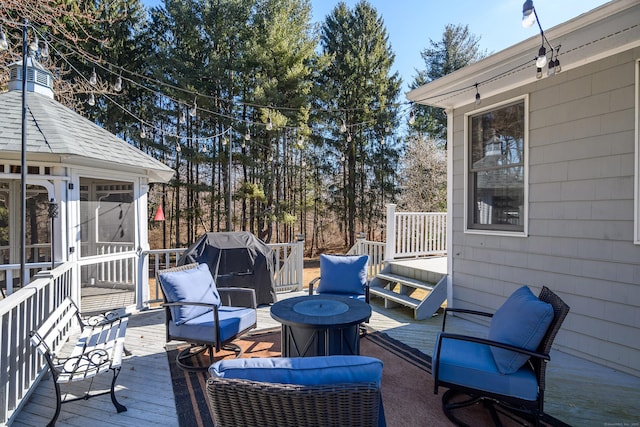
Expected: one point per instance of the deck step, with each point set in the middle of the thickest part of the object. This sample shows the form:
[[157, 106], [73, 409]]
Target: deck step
[[394, 278], [405, 300], [400, 290]]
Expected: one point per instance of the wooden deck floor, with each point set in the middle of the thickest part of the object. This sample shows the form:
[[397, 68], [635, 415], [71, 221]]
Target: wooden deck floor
[[579, 392]]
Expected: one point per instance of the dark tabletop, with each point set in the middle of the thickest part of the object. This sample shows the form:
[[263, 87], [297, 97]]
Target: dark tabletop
[[325, 311]]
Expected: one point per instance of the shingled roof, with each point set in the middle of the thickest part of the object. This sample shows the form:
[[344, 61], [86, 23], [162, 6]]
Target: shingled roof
[[57, 134]]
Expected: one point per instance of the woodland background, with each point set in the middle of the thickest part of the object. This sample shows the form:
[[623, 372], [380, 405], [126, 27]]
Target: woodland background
[[272, 124]]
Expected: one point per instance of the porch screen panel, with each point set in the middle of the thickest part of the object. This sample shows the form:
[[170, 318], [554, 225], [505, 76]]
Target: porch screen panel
[[496, 169]]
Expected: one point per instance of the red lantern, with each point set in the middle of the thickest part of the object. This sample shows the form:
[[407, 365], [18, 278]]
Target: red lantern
[[159, 214]]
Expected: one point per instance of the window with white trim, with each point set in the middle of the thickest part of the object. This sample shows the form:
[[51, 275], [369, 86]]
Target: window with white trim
[[496, 187]]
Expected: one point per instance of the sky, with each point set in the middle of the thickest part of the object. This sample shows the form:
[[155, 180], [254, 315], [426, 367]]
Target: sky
[[411, 24]]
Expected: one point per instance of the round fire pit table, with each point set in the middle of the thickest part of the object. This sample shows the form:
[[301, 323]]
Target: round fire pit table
[[320, 325]]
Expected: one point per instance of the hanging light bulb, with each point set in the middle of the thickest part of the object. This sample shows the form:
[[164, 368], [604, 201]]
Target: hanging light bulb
[[204, 148], [551, 70], [343, 127], [300, 142], [143, 132], [528, 14], [92, 99], [270, 158], [412, 117], [117, 86], [44, 52], [178, 148], [538, 73], [247, 135], [342, 159], [304, 163], [382, 142], [542, 57], [558, 67], [94, 78], [224, 141], [243, 145], [34, 45], [194, 109], [183, 118], [349, 137], [4, 44], [478, 100], [269, 124]]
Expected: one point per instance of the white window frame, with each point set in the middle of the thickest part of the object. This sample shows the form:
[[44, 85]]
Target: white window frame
[[467, 220], [636, 204]]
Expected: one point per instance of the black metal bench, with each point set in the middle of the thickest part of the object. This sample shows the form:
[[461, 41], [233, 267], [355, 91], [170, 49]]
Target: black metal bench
[[98, 349]]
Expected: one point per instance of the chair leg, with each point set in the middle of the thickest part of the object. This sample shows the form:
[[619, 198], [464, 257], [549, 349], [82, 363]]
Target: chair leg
[[191, 353], [186, 359], [58, 403], [119, 406]]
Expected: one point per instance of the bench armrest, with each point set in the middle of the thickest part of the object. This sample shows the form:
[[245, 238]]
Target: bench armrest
[[105, 318]]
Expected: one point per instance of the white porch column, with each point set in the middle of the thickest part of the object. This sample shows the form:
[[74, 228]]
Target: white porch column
[[449, 113], [390, 240], [142, 244]]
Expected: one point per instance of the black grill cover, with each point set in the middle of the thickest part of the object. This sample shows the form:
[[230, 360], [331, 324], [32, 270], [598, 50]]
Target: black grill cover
[[237, 259]]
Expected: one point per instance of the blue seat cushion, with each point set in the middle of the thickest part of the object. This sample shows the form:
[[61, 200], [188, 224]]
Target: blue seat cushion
[[321, 370], [233, 320], [343, 274], [193, 285], [472, 365], [521, 321]]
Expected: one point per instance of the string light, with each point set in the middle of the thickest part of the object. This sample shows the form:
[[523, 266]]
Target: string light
[[33, 47], [412, 117], [478, 100], [92, 99], [343, 127], [194, 109], [117, 86], [269, 124], [4, 44], [300, 142], [247, 135], [44, 52], [178, 147], [183, 118], [143, 133], [349, 137], [94, 78]]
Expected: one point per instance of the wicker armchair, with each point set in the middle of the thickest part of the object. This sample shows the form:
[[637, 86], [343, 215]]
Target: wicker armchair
[[237, 402]]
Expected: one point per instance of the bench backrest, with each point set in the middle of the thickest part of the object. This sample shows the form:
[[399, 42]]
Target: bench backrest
[[54, 331]]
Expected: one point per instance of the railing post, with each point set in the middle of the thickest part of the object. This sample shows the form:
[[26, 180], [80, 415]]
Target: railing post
[[390, 240], [142, 291], [300, 261]]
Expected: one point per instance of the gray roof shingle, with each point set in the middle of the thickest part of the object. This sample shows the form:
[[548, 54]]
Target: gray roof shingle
[[53, 129]]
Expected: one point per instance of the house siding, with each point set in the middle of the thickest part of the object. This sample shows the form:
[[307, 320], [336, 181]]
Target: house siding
[[581, 212]]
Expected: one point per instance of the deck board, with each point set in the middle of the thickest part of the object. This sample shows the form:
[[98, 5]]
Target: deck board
[[579, 392]]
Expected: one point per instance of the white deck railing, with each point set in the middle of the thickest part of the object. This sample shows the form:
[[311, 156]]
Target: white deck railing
[[414, 234], [21, 312], [288, 266]]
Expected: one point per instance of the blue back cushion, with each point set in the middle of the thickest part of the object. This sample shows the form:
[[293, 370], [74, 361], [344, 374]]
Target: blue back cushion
[[319, 370], [521, 321], [343, 274], [193, 285]]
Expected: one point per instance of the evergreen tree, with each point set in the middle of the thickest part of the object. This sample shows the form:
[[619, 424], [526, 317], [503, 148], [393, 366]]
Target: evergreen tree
[[457, 48], [359, 85]]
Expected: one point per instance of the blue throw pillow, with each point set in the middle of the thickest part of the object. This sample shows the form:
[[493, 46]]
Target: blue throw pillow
[[343, 274], [521, 321], [193, 285], [321, 370]]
